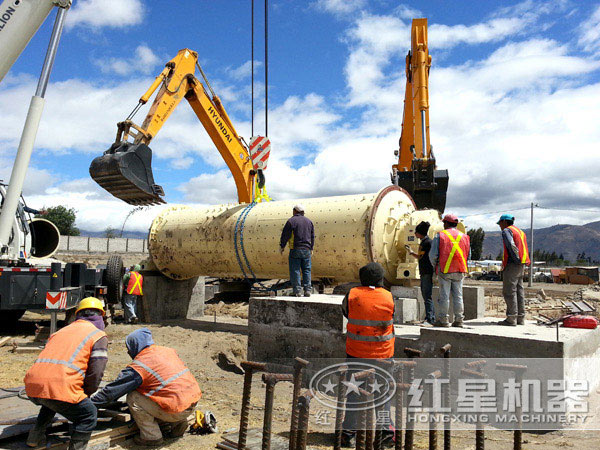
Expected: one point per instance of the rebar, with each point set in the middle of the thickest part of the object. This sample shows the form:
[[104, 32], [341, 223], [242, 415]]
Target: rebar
[[249, 369], [410, 432], [446, 396], [270, 380], [299, 365], [432, 414], [478, 374], [303, 417], [360, 432], [518, 371], [399, 405], [370, 431], [340, 408]]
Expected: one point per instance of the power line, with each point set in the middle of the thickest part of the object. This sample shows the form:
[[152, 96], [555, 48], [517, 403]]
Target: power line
[[496, 212], [571, 209], [537, 206]]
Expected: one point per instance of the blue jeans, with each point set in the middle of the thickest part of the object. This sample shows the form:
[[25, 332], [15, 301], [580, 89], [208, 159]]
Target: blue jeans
[[129, 306], [299, 260], [427, 292], [450, 283], [83, 415]]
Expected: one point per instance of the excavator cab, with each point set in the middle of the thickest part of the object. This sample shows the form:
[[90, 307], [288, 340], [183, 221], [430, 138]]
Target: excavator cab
[[125, 170]]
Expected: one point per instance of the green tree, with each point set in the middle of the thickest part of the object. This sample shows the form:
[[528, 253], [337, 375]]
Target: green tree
[[110, 233], [477, 236], [63, 217]]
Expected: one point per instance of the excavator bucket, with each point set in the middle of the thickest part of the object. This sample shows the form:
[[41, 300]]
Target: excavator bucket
[[425, 184], [125, 170]]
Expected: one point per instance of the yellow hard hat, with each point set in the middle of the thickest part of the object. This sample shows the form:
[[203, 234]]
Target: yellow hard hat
[[90, 303]]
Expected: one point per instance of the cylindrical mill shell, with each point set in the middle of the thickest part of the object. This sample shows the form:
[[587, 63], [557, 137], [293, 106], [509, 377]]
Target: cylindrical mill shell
[[350, 231]]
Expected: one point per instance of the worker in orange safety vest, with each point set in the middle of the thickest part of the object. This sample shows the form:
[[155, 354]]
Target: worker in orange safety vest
[[515, 258], [369, 309], [67, 371], [133, 282], [160, 389], [449, 254]]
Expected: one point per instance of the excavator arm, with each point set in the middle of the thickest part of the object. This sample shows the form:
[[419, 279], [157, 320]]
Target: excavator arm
[[416, 169], [125, 168]]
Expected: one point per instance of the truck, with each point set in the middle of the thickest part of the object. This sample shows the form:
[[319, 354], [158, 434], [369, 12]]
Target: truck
[[29, 280]]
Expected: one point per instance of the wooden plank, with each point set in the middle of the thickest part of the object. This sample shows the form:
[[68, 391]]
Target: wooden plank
[[116, 415], [27, 349], [4, 340]]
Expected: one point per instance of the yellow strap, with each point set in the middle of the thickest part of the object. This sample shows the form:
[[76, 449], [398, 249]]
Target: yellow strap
[[260, 195], [455, 248], [523, 244], [138, 279]]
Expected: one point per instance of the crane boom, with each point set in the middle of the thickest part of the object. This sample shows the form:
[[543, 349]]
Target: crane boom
[[125, 169], [416, 169]]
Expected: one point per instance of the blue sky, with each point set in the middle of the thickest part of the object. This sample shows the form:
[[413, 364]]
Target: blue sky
[[514, 90]]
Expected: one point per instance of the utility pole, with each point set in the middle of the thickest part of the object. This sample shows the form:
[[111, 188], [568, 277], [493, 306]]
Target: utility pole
[[531, 251]]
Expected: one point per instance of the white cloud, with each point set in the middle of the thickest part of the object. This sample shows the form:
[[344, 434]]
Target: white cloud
[[444, 36], [340, 7], [244, 70], [143, 61], [105, 13], [589, 37], [407, 12], [182, 163]]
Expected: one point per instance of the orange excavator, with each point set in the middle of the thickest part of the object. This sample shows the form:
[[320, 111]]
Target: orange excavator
[[416, 170], [125, 169]]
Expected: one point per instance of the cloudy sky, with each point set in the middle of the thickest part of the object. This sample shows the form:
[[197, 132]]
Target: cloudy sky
[[514, 97]]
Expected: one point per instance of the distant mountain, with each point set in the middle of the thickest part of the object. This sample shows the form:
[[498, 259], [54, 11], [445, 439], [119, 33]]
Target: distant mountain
[[126, 234], [570, 240]]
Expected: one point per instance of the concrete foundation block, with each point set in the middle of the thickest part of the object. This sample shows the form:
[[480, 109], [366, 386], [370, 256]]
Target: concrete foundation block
[[167, 299], [406, 310], [473, 302]]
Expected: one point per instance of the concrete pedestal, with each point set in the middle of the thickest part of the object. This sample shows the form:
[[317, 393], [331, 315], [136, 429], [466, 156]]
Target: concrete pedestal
[[170, 299]]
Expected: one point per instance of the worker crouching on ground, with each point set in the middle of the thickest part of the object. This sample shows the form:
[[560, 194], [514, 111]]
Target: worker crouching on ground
[[161, 390], [369, 309], [133, 281], [66, 372], [516, 256], [299, 231], [425, 269], [449, 253]]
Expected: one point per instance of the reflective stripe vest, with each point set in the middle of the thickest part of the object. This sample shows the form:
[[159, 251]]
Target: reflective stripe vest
[[59, 370], [454, 251], [370, 330], [521, 243], [165, 379], [134, 286]]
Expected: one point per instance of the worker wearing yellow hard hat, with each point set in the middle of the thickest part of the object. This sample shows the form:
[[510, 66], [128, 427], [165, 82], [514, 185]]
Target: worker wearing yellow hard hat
[[67, 371]]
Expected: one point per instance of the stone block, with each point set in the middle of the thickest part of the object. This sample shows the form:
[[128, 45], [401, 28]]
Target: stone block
[[166, 299], [473, 302], [406, 310]]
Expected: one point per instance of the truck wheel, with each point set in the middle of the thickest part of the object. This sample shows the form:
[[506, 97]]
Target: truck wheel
[[11, 316], [114, 279]]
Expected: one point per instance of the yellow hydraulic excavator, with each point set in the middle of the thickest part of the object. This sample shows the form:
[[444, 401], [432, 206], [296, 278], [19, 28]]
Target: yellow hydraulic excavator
[[125, 169], [416, 169]]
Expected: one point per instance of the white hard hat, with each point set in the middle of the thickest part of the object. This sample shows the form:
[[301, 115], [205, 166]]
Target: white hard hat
[[299, 208]]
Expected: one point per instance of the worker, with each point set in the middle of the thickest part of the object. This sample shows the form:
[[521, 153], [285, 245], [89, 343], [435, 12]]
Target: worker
[[369, 309], [425, 269], [516, 256], [133, 282], [67, 372], [449, 254], [299, 232], [161, 390]]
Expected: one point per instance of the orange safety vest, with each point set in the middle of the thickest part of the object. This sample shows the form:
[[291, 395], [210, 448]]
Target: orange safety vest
[[59, 370], [521, 243], [165, 379], [454, 251], [134, 286], [370, 330]]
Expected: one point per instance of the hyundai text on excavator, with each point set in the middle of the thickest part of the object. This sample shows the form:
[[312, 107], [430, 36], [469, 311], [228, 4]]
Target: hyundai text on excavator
[[125, 169], [416, 170]]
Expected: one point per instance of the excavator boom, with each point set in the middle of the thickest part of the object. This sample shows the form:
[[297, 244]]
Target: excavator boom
[[125, 170], [416, 170]]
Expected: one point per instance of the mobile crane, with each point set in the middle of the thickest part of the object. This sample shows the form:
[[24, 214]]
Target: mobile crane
[[25, 281], [416, 170], [125, 169]]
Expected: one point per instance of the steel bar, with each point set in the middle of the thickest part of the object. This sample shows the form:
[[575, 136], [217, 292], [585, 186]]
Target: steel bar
[[399, 379], [361, 431], [370, 430], [268, 418], [340, 408], [434, 376], [479, 427], [299, 365], [303, 418], [518, 370], [446, 396], [249, 369], [410, 425]]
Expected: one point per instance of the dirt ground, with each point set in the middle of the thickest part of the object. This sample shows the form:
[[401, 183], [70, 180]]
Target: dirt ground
[[199, 343]]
